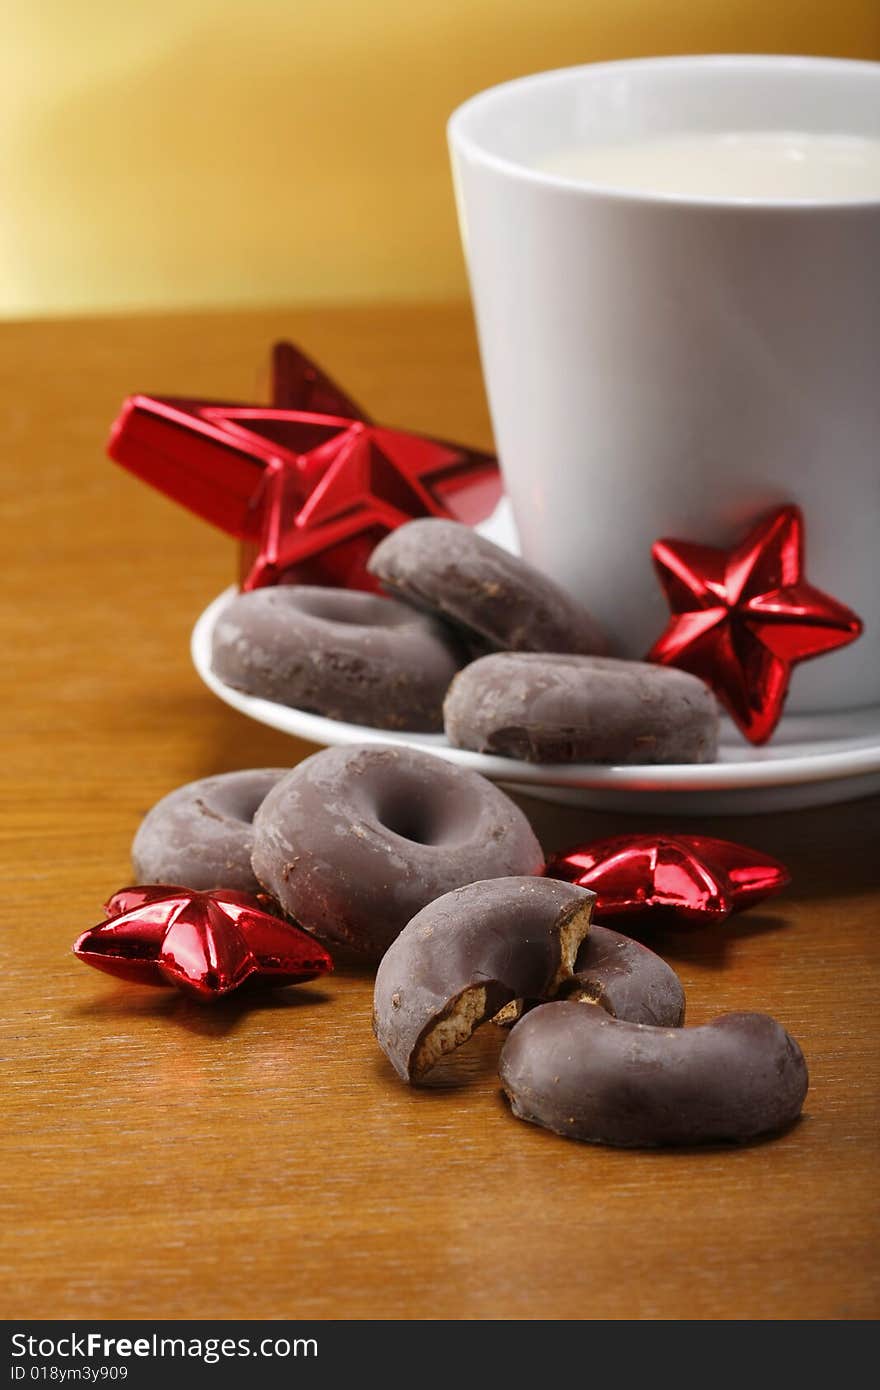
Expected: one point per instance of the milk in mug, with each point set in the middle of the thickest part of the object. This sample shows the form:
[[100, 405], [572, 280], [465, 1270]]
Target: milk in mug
[[764, 165]]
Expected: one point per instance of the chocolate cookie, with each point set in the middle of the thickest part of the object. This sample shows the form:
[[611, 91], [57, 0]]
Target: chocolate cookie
[[202, 834], [495, 598], [355, 841], [573, 709], [338, 652], [466, 956], [575, 1070], [628, 980]]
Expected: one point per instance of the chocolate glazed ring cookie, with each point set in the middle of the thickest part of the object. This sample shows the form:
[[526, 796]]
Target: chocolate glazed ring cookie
[[571, 709], [627, 979], [355, 841], [337, 652], [496, 598], [573, 1069], [469, 954], [201, 835]]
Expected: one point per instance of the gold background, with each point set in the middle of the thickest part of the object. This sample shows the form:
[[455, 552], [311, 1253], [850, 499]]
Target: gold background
[[194, 152]]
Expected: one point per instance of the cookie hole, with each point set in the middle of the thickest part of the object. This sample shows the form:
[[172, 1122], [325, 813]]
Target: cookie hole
[[429, 808], [241, 799], [409, 820], [448, 820], [250, 809], [347, 607]]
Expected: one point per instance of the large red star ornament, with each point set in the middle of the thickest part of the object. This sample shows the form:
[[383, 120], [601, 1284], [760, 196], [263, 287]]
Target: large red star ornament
[[743, 618], [207, 944], [309, 485], [692, 878]]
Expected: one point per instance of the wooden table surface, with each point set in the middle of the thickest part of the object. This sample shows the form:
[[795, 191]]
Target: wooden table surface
[[162, 1159]]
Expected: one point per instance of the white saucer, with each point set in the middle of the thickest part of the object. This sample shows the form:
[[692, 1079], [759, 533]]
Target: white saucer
[[813, 760]]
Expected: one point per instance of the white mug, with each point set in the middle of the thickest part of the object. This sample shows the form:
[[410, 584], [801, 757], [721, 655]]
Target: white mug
[[668, 366]]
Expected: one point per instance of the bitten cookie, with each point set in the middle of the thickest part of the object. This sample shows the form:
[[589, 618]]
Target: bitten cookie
[[466, 956], [494, 597], [338, 652], [356, 840], [571, 709], [201, 835], [627, 980]]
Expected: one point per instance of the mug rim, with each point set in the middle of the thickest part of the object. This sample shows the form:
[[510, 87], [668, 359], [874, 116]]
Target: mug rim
[[462, 141]]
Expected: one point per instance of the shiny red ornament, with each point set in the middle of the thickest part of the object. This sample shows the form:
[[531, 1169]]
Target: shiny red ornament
[[309, 485], [744, 617], [692, 878], [206, 944]]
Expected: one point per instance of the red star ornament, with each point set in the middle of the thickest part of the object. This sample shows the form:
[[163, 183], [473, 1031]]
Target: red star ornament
[[309, 485], [743, 618], [207, 944], [692, 878]]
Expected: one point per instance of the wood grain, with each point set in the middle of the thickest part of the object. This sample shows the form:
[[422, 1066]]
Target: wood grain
[[164, 1160]]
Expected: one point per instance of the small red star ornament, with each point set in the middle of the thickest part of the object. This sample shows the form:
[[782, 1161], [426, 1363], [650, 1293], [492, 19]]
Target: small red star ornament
[[310, 484], [743, 618], [691, 878], [207, 944]]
